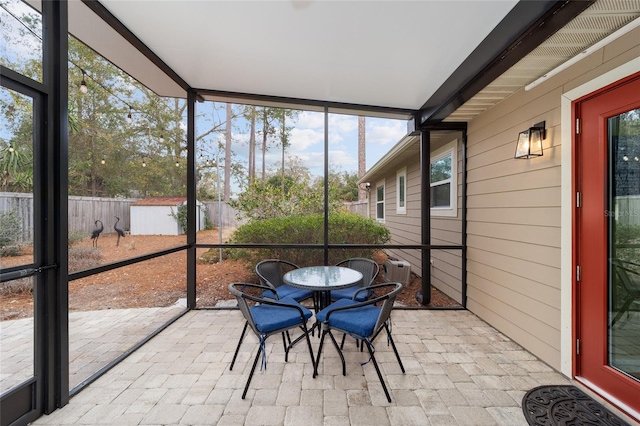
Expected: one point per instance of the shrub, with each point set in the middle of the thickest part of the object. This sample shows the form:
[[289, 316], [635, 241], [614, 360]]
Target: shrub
[[181, 217], [75, 236], [81, 258], [19, 286], [10, 233], [344, 228]]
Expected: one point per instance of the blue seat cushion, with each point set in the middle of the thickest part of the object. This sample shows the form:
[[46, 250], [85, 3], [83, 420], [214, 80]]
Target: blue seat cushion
[[357, 321], [347, 293], [285, 291], [269, 318]]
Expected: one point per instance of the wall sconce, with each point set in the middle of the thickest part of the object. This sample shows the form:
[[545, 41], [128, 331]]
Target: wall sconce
[[367, 186], [530, 141]]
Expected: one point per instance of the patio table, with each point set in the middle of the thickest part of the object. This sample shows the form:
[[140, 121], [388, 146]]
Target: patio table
[[322, 279]]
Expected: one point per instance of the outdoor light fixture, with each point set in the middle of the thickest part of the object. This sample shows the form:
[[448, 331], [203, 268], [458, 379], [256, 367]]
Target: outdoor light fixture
[[129, 118], [83, 84], [530, 141]]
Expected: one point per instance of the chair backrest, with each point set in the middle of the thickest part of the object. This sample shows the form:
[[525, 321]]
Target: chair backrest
[[367, 267], [237, 289], [387, 305], [271, 271], [623, 269]]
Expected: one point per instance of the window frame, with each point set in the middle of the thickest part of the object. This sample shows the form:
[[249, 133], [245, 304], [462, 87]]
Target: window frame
[[401, 191], [381, 184], [449, 149]]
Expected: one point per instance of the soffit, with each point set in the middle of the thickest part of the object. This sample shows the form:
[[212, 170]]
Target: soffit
[[594, 24]]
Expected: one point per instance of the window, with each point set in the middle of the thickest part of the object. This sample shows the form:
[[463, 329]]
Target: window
[[444, 180], [401, 191], [380, 201]]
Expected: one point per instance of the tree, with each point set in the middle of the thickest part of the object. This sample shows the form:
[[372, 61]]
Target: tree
[[362, 149], [16, 151], [227, 153]]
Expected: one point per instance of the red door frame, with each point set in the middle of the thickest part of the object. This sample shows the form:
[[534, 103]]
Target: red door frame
[[624, 392]]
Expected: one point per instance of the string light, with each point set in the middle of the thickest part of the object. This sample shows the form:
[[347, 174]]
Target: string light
[[177, 163], [129, 117], [11, 149], [144, 162], [83, 84], [161, 136], [103, 161]]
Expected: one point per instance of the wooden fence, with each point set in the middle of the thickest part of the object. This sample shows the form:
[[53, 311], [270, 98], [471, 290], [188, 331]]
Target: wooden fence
[[358, 207], [84, 211]]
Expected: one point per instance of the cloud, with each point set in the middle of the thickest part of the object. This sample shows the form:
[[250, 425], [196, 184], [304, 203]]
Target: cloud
[[341, 158], [385, 132], [302, 139]]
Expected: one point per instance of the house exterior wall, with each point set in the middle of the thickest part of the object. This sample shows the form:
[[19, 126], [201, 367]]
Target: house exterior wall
[[517, 209], [446, 271]]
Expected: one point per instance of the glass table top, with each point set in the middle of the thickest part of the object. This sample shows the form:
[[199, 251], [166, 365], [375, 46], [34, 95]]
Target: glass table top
[[322, 277]]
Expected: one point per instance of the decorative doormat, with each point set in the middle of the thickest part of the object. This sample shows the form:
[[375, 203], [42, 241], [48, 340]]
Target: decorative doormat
[[565, 405]]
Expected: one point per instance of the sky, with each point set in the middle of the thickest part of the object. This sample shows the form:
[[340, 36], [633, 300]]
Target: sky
[[307, 141]]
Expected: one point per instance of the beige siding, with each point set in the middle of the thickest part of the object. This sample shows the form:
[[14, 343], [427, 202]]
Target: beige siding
[[446, 273], [513, 226]]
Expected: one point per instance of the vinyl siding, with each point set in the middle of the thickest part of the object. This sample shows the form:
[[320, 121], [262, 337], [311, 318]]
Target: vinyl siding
[[514, 214], [446, 273]]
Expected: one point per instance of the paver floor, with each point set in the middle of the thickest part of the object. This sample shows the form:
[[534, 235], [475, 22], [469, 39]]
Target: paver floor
[[459, 371]]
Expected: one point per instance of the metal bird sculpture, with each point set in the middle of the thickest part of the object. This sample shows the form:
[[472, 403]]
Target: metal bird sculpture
[[96, 232], [120, 231]]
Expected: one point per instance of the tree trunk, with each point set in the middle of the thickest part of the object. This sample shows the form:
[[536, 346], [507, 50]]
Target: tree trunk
[[362, 158], [284, 145], [265, 129], [227, 154], [252, 146]]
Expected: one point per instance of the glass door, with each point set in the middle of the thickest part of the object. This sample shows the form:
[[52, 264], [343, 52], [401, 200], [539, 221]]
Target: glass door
[[19, 364], [623, 289], [607, 344]]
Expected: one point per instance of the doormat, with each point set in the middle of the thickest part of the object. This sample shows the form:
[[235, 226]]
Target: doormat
[[565, 405]]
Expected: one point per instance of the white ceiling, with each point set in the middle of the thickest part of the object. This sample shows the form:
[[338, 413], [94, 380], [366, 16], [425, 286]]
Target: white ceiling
[[378, 53]]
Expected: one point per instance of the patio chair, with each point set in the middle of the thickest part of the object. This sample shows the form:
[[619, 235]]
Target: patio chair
[[270, 273], [362, 320], [369, 270], [628, 274], [266, 318]]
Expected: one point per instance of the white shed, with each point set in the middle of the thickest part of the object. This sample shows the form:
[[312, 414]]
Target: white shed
[[153, 216]]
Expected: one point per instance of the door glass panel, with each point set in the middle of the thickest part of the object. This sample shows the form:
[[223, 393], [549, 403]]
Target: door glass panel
[[21, 38], [16, 237], [624, 226]]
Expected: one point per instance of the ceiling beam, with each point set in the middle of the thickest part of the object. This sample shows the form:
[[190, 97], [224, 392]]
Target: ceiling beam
[[121, 29], [527, 25]]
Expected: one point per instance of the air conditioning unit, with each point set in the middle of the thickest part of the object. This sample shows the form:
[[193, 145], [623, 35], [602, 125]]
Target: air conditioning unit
[[397, 270]]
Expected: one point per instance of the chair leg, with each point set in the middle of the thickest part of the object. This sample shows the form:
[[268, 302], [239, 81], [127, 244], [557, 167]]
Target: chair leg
[[315, 365], [622, 310], [344, 368], [235, 355], [286, 348], [393, 345], [375, 364], [253, 368], [313, 361]]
